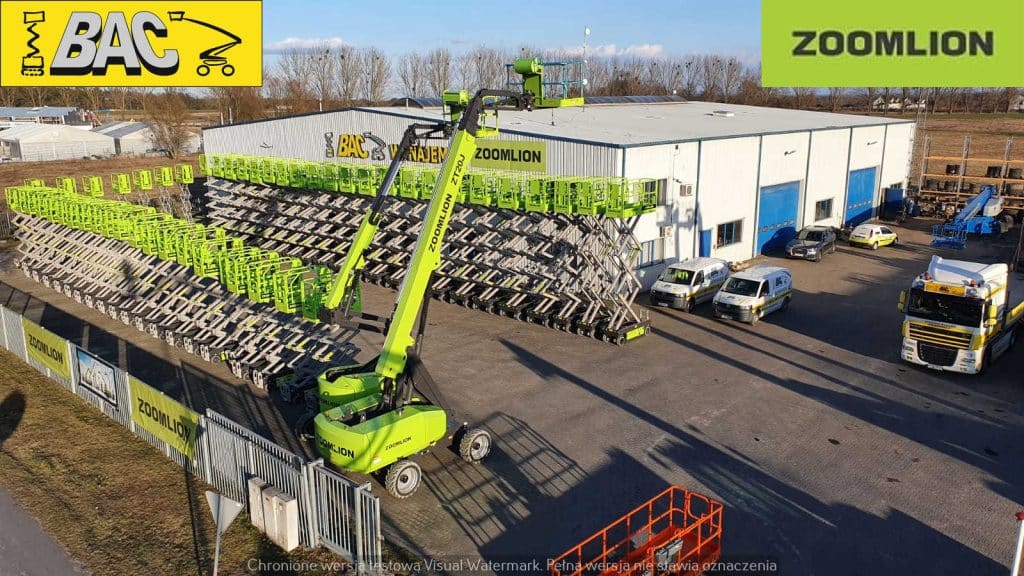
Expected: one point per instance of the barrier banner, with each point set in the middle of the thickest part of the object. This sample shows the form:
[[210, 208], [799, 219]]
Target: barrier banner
[[47, 348], [163, 417], [96, 375]]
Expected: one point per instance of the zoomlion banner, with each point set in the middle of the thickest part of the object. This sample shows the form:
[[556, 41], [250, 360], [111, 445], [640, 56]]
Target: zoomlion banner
[[494, 154], [163, 417], [148, 43], [47, 348], [812, 43]]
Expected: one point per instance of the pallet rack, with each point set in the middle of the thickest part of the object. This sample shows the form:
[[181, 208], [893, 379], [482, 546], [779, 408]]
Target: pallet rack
[[951, 181]]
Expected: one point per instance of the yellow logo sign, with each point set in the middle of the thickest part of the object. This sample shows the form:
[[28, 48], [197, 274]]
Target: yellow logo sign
[[944, 289], [47, 348], [158, 43], [164, 418], [494, 154]]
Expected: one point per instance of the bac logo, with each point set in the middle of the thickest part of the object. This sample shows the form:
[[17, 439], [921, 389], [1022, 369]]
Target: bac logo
[[142, 43]]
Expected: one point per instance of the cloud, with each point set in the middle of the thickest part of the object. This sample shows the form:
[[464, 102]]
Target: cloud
[[303, 44], [609, 50]]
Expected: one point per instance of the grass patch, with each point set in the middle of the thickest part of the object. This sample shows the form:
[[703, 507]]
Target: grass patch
[[115, 502]]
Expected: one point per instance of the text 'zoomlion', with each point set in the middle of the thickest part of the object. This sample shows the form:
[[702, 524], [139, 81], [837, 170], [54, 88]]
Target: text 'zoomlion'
[[507, 155], [893, 43]]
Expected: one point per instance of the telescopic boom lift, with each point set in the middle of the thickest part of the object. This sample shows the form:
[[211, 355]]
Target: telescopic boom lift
[[376, 415]]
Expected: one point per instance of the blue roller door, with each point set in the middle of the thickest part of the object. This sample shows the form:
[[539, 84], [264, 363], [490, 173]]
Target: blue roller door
[[776, 216], [860, 196]]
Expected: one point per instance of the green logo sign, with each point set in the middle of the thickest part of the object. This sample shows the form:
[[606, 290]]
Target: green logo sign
[[809, 43]]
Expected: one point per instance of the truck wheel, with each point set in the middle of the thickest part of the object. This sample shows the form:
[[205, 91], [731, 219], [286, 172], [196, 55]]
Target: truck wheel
[[403, 478], [475, 445]]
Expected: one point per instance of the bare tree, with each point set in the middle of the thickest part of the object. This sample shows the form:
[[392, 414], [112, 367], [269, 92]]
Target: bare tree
[[321, 67], [349, 68], [411, 73], [732, 72], [710, 72], [168, 115], [376, 74], [439, 70], [803, 97], [835, 98], [488, 68], [464, 72], [241, 104]]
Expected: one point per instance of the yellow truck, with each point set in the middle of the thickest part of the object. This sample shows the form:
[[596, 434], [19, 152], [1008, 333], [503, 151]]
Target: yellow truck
[[960, 316]]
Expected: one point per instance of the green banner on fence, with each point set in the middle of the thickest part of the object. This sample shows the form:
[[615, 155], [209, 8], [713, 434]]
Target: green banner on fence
[[163, 417], [810, 43], [47, 348]]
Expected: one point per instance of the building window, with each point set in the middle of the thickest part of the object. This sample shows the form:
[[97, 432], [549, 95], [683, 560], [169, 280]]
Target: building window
[[730, 233], [822, 209], [651, 252]]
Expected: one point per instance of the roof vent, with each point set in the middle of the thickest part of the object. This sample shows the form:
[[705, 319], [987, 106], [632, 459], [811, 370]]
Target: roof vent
[[723, 113]]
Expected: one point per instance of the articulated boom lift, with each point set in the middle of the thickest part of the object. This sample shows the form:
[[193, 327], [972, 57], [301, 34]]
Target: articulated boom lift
[[375, 415]]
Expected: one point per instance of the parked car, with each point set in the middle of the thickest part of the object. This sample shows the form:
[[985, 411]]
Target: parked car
[[812, 243], [685, 284], [873, 236], [750, 295]]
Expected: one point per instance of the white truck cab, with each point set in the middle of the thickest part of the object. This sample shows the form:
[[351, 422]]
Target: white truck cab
[[753, 293], [687, 283]]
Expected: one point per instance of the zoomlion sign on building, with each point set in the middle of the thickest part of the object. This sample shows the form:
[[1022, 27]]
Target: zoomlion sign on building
[[493, 154], [811, 43], [141, 43]]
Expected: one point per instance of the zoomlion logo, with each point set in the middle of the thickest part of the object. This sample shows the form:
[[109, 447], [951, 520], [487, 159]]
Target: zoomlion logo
[[181, 43]]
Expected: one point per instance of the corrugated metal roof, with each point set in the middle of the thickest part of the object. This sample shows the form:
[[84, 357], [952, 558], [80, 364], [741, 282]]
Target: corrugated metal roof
[[49, 133], [40, 112], [417, 102], [121, 129], [655, 123]]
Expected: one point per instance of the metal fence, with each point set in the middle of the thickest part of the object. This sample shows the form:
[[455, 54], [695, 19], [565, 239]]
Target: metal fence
[[334, 511]]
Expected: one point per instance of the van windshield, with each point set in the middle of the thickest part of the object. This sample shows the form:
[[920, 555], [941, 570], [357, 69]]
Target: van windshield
[[676, 276], [742, 286]]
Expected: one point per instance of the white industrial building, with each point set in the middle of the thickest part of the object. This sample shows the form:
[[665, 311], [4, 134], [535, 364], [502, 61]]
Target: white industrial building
[[737, 180], [31, 142], [136, 138]]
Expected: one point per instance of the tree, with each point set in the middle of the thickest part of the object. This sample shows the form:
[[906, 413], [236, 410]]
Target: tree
[[411, 73], [835, 98], [376, 74], [168, 115], [488, 68], [439, 70], [322, 72], [349, 68]]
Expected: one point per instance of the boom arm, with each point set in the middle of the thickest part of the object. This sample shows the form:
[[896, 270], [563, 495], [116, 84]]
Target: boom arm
[[345, 288], [426, 256]]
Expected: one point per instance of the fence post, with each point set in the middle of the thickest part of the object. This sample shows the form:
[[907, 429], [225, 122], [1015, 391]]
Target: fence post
[[204, 443], [1015, 569], [357, 519], [309, 480]]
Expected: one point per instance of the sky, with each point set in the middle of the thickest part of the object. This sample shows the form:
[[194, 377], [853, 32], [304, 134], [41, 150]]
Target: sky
[[641, 27]]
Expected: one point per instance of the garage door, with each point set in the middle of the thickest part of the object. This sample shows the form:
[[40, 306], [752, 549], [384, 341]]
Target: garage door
[[860, 197], [776, 216]]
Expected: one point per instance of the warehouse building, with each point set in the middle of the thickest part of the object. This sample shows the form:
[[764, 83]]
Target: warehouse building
[[736, 181], [33, 142], [136, 138]]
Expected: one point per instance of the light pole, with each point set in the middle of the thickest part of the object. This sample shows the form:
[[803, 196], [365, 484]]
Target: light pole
[[583, 80]]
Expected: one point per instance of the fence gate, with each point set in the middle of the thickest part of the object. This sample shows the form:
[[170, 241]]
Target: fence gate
[[237, 454], [348, 517]]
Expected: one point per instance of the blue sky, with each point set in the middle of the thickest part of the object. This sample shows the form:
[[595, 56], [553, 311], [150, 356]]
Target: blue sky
[[728, 27]]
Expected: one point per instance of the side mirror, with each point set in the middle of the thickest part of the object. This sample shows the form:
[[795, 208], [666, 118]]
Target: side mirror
[[903, 301], [989, 323]]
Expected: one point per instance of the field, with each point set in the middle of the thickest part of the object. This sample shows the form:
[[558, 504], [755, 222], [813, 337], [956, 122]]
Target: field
[[116, 503]]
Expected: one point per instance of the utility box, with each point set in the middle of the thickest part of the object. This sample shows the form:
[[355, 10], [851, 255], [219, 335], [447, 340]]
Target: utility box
[[286, 521], [256, 487], [269, 518]]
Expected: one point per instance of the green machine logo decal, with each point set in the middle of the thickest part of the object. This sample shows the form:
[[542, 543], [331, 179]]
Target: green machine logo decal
[[879, 43], [47, 348]]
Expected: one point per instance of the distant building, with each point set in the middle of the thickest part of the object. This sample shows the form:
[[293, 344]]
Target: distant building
[[136, 138], [10, 115], [1017, 103], [32, 142]]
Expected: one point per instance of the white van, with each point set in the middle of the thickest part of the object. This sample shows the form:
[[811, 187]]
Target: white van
[[751, 294], [685, 284]]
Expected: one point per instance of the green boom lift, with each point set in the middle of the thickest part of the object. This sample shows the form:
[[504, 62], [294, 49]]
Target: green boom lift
[[374, 416]]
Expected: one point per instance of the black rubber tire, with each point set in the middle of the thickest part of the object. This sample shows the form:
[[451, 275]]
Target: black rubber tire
[[785, 305], [690, 305], [403, 478], [817, 258], [475, 445], [874, 245], [896, 241]]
